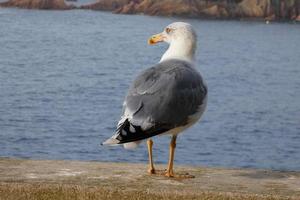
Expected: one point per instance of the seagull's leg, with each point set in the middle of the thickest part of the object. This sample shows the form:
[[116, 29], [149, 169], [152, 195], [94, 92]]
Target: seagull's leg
[[170, 172], [151, 169]]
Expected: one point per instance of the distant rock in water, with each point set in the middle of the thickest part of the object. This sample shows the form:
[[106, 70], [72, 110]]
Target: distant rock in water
[[268, 10], [250, 8], [216, 11], [109, 5], [151, 7], [38, 4], [261, 9]]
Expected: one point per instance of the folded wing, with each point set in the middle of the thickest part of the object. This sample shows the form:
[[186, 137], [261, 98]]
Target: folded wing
[[161, 98]]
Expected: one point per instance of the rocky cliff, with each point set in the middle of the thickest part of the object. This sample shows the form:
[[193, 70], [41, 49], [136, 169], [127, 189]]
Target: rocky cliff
[[38, 4], [260, 9], [268, 9], [107, 5]]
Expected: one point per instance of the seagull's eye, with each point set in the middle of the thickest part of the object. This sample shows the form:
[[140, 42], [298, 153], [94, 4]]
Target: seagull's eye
[[168, 30]]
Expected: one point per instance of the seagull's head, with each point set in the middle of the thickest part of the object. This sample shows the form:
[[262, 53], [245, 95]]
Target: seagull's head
[[182, 40]]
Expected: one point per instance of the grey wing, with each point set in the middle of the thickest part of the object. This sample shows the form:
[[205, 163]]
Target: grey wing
[[167, 94], [161, 98]]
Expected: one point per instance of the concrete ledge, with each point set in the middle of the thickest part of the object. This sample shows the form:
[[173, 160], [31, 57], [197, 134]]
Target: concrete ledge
[[51, 179]]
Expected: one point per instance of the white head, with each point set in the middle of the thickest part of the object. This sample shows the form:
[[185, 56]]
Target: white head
[[182, 41]]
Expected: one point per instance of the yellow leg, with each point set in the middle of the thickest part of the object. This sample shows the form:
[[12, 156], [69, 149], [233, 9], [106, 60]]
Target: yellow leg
[[151, 169], [170, 172]]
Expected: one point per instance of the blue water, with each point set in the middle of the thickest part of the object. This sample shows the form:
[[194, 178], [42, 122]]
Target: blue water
[[64, 74]]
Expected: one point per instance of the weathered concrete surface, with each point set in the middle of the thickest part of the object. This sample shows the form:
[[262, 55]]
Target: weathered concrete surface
[[133, 177]]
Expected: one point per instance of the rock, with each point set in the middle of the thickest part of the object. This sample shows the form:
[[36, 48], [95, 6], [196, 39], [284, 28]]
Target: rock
[[143, 6], [198, 8], [127, 9], [251, 8], [174, 8], [38, 4], [109, 5], [270, 18], [149, 7], [212, 11], [215, 11], [166, 7]]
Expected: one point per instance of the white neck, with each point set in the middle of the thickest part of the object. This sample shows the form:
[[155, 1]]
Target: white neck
[[182, 49]]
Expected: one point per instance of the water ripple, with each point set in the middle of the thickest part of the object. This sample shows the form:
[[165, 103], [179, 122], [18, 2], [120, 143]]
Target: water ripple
[[63, 82]]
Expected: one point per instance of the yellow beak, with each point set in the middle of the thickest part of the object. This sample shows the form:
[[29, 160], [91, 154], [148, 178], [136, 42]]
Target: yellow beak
[[155, 39]]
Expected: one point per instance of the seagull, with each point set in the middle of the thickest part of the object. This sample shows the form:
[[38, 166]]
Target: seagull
[[165, 99]]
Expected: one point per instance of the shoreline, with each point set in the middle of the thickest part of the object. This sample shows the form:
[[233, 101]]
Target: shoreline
[[243, 11], [176, 17], [114, 180]]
